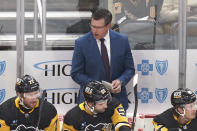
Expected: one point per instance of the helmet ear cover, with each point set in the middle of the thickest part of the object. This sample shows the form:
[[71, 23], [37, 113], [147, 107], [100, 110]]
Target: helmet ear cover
[[26, 84], [95, 91], [181, 97]]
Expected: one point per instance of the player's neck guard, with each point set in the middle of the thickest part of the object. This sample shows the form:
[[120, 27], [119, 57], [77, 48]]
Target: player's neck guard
[[21, 102], [91, 109], [177, 114]]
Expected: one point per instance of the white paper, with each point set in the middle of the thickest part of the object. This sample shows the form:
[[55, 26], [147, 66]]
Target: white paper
[[107, 85]]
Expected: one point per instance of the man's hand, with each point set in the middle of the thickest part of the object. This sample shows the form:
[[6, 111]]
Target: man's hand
[[116, 86]]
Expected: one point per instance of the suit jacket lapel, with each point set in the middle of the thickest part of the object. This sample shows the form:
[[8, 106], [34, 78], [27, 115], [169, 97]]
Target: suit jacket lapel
[[94, 47], [96, 53], [112, 49]]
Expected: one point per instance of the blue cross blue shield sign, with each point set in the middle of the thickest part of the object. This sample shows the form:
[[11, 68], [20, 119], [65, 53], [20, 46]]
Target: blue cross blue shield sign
[[161, 94], [161, 66]]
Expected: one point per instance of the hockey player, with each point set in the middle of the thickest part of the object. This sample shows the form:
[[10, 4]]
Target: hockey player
[[21, 113], [182, 116], [99, 112]]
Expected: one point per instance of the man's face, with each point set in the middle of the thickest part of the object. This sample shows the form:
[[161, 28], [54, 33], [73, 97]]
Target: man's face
[[30, 99], [100, 107], [190, 110], [99, 29]]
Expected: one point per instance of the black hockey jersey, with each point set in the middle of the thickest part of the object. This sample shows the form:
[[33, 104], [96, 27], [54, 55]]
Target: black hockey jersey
[[79, 119], [167, 120], [14, 117]]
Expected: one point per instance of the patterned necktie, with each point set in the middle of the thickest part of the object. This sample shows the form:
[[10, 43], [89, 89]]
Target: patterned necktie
[[105, 59]]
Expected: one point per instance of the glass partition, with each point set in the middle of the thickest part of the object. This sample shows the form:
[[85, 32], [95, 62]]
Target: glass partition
[[66, 20], [191, 24], [7, 25], [150, 24], [146, 23]]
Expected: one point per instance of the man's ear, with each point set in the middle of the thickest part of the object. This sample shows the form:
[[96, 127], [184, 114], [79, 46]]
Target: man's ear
[[89, 104], [20, 95], [109, 26], [180, 110]]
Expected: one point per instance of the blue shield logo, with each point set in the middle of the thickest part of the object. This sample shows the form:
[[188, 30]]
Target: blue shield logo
[[161, 66], [161, 94], [2, 95], [2, 67]]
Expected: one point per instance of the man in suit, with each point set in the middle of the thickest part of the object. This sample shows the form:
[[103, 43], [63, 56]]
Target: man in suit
[[89, 63]]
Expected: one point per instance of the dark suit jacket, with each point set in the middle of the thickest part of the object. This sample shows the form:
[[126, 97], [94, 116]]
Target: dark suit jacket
[[87, 63]]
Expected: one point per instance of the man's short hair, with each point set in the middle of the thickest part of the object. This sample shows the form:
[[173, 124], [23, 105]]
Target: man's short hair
[[102, 13]]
